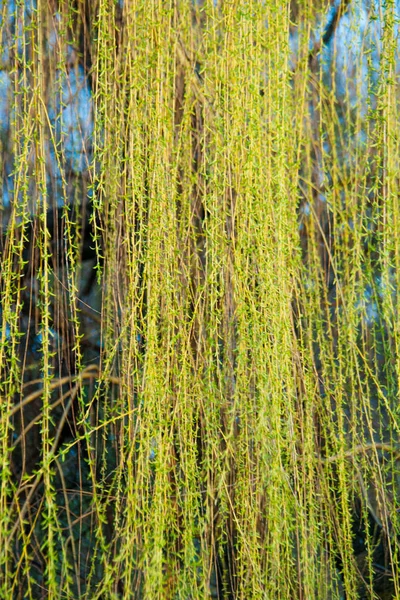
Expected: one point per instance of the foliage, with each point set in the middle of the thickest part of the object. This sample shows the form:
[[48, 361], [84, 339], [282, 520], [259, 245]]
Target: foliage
[[216, 415]]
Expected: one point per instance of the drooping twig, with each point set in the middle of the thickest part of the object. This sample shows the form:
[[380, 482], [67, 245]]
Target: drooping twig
[[329, 30]]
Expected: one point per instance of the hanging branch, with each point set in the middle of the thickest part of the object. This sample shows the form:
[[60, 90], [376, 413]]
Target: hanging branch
[[329, 30]]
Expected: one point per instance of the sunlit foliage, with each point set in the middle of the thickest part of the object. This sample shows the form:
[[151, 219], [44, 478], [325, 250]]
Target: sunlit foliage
[[199, 331]]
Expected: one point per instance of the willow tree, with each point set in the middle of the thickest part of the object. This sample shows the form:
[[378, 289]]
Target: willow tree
[[199, 339]]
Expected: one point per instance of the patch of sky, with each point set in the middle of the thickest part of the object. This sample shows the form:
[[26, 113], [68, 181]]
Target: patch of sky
[[53, 38], [153, 449], [322, 20], [351, 56], [71, 113], [306, 209], [368, 307], [7, 26], [7, 333], [70, 105], [8, 183], [373, 295], [5, 95], [36, 346], [354, 53], [14, 19]]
